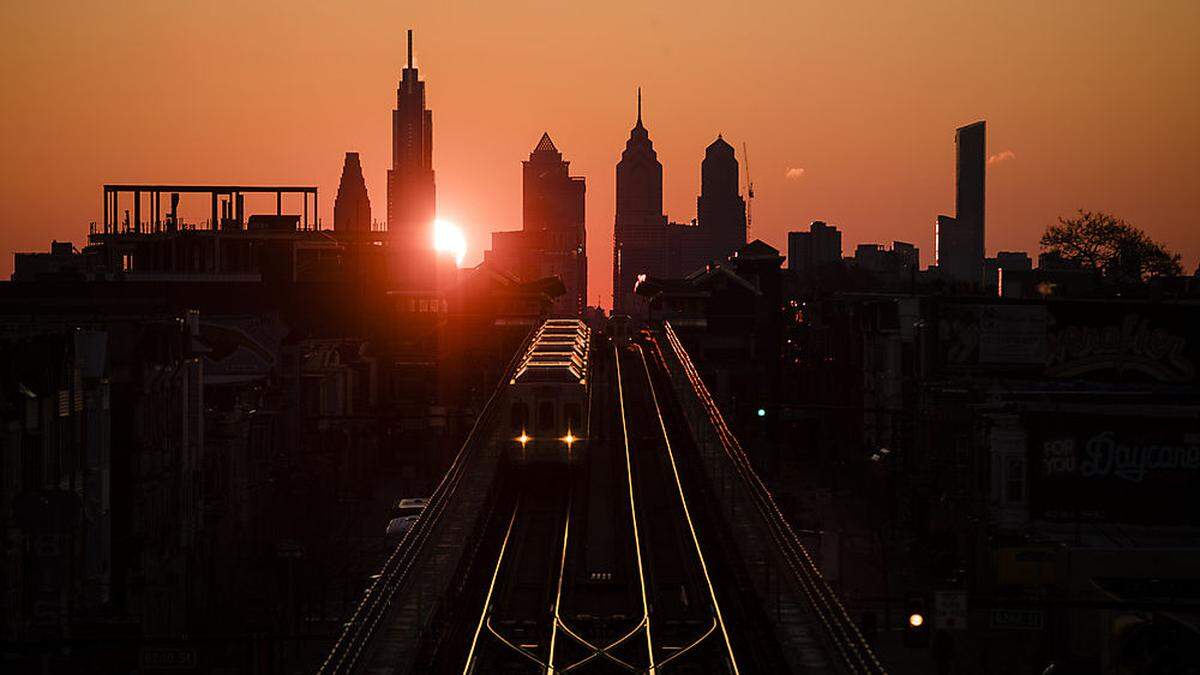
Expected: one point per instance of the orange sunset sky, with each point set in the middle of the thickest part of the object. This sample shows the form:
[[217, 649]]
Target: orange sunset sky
[[848, 109]]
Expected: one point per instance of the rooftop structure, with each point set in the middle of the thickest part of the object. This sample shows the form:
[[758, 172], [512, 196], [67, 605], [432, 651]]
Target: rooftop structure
[[227, 204]]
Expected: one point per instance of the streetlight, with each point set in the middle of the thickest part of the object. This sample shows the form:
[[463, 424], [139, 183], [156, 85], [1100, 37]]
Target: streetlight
[[916, 633]]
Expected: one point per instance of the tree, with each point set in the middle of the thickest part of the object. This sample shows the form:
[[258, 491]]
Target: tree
[[1119, 251]]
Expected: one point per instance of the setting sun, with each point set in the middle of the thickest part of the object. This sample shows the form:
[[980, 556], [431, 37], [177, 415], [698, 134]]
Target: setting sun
[[448, 238]]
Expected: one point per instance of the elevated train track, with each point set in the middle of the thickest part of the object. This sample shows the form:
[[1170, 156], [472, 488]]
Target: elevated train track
[[603, 551]]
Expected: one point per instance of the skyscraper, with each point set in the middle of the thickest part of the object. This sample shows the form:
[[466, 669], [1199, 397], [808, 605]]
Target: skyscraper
[[411, 197], [639, 233], [720, 210], [964, 252], [554, 223], [553, 238], [352, 208]]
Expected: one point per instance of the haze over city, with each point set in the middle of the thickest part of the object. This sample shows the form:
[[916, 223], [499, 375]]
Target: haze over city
[[781, 337], [847, 111]]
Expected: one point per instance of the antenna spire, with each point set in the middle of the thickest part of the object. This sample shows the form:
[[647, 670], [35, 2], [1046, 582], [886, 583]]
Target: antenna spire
[[639, 106], [410, 48]]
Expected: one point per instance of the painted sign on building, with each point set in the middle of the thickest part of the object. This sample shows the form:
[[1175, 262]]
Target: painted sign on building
[[1126, 469]]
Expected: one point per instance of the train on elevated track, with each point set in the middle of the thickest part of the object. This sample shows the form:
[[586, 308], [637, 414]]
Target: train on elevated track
[[549, 395]]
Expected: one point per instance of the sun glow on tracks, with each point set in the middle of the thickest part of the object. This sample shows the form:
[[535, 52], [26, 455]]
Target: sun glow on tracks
[[449, 238]]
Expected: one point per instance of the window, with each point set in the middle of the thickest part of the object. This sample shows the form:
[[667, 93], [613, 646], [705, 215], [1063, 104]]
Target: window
[[1014, 479], [572, 417], [519, 417], [546, 416]]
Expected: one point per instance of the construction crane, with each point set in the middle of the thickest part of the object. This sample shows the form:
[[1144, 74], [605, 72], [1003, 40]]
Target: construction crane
[[749, 187]]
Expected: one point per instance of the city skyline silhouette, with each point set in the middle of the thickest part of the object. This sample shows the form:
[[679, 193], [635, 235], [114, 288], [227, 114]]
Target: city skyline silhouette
[[849, 124], [437, 338]]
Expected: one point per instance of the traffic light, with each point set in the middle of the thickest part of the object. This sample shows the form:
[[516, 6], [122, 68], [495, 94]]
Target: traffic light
[[916, 622]]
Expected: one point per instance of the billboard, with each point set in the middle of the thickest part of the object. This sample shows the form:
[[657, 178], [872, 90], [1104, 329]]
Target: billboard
[[1103, 341], [1114, 468]]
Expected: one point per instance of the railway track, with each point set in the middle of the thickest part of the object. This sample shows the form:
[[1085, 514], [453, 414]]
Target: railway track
[[665, 613], [840, 631], [351, 645], [616, 564]]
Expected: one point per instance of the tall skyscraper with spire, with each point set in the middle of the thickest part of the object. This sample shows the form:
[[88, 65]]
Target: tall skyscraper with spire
[[411, 195], [645, 243], [639, 233]]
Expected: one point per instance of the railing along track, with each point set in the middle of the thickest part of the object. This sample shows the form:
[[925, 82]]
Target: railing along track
[[352, 643], [853, 651]]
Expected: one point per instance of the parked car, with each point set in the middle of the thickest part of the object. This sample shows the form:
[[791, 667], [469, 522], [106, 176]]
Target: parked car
[[404, 514]]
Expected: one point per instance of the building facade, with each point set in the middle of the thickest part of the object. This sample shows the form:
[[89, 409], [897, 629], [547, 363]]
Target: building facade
[[352, 208], [960, 240], [411, 198], [645, 244], [720, 210], [553, 238], [812, 250], [639, 233]]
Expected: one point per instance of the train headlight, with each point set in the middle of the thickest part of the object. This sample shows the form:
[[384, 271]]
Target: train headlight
[[523, 439], [569, 439]]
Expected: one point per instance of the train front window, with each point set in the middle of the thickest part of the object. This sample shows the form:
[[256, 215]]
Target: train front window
[[546, 416], [519, 417], [572, 417]]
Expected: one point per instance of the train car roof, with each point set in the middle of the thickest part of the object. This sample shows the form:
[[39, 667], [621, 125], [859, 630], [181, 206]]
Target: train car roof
[[557, 354]]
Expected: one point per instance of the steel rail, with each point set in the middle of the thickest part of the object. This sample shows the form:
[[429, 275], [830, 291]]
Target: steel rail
[[687, 515], [601, 651], [633, 513], [487, 600], [692, 645], [515, 647], [817, 601], [856, 655], [797, 558], [343, 657], [562, 569]]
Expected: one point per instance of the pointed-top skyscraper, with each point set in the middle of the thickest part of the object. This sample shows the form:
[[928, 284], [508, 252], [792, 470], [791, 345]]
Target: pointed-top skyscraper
[[411, 197], [352, 208], [554, 223], [720, 210], [639, 233], [553, 237]]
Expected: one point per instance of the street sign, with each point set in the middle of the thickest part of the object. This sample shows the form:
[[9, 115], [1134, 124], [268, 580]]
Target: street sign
[[168, 658], [1018, 619], [950, 610]]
